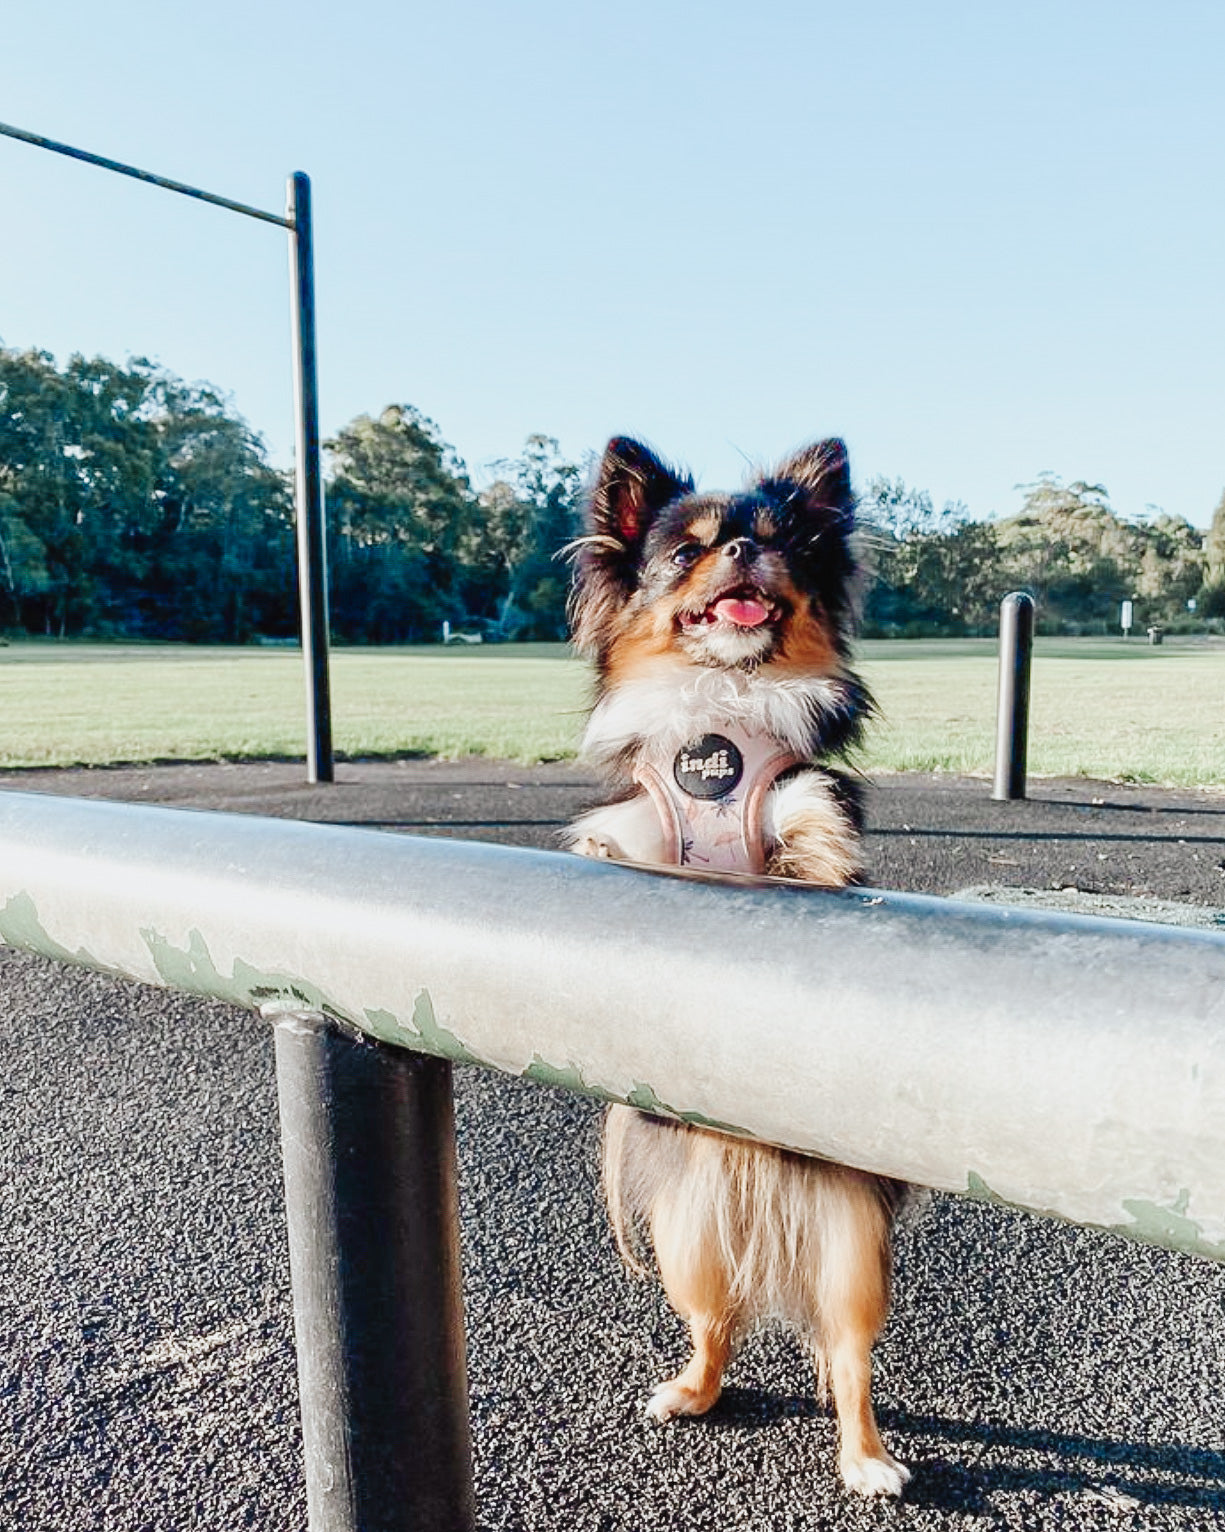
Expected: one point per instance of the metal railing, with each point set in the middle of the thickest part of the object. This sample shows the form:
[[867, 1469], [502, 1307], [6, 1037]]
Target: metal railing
[[1071, 1065]]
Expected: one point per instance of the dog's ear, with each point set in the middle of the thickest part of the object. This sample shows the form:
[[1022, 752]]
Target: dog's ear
[[631, 488], [822, 475], [812, 490]]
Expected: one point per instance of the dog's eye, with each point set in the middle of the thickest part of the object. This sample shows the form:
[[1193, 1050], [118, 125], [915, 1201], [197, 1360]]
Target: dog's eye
[[687, 555]]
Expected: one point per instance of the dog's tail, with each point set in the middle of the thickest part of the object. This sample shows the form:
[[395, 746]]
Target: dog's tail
[[775, 1219], [624, 1209]]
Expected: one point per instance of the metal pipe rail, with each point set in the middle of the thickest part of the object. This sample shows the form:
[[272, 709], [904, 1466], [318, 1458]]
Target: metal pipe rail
[[1070, 1065]]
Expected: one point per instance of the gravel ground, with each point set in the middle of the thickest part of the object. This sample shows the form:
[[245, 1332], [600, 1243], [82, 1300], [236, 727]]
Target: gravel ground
[[1032, 1374]]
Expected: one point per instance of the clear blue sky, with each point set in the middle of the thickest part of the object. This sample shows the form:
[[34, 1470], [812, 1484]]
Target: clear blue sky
[[979, 240]]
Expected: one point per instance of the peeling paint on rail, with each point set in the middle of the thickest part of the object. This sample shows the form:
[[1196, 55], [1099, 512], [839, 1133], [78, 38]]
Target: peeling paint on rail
[[1148, 1224]]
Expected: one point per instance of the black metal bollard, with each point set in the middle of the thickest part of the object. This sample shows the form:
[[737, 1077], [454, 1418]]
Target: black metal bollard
[[368, 1140], [1012, 717]]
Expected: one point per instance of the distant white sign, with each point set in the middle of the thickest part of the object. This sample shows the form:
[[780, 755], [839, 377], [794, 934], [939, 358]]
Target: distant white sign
[[1125, 617]]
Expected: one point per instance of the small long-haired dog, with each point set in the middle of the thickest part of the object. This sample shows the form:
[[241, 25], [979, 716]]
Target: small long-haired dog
[[720, 629]]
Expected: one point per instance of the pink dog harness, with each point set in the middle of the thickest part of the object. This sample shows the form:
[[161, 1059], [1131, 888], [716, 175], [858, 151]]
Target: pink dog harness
[[710, 795]]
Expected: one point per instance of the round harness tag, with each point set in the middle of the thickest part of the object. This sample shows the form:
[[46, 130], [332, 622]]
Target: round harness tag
[[710, 767]]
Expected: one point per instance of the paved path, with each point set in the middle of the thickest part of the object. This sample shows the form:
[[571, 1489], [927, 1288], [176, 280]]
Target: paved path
[[1033, 1375]]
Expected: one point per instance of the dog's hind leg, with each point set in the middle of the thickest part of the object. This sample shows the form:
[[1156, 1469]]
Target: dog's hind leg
[[699, 1290], [854, 1304], [697, 1388]]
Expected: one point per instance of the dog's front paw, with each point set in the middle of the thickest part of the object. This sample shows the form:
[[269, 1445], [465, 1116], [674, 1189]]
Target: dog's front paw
[[600, 847], [874, 1476]]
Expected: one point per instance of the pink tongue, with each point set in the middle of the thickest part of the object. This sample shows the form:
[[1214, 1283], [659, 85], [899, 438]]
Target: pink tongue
[[745, 614]]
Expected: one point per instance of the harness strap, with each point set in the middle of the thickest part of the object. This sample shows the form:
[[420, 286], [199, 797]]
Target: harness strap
[[710, 798]]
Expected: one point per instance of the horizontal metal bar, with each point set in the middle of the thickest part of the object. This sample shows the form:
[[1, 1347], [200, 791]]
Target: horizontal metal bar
[[1071, 1065], [120, 168]]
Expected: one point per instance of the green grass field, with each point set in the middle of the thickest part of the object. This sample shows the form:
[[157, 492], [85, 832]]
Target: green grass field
[[1100, 708]]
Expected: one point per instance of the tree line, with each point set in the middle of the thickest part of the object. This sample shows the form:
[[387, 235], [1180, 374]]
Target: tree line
[[134, 505], [945, 573]]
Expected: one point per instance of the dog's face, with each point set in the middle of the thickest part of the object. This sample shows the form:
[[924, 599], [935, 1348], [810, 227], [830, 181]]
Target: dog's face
[[756, 581]]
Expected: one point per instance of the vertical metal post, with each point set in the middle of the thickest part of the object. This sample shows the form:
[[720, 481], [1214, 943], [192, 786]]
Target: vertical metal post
[[1012, 717], [368, 1140], [312, 538]]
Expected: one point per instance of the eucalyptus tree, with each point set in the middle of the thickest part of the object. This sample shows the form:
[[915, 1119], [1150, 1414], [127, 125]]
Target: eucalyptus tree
[[529, 516], [76, 475], [400, 510], [928, 569], [219, 548]]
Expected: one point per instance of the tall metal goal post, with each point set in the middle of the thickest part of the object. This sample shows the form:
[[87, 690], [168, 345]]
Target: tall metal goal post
[[308, 476]]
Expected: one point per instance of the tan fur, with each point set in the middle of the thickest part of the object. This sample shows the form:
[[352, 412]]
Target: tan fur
[[744, 1233], [808, 649], [645, 644], [704, 529], [809, 832]]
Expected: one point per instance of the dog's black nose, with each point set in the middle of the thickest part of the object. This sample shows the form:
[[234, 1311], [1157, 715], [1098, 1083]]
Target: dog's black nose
[[740, 549]]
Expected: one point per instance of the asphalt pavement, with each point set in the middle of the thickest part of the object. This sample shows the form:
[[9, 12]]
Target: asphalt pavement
[[1032, 1374]]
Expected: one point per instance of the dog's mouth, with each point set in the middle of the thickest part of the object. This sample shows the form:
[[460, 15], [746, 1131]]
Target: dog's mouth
[[745, 607]]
